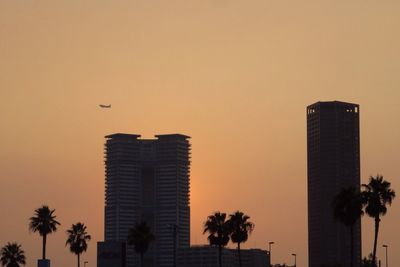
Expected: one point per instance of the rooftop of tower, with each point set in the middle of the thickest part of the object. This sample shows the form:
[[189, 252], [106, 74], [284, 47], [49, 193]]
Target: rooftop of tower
[[136, 136], [334, 102], [176, 135], [123, 135]]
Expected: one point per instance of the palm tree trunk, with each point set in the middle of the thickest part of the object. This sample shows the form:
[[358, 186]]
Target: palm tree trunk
[[79, 262], [352, 245], [377, 220], [141, 260], [44, 247], [240, 258], [220, 255]]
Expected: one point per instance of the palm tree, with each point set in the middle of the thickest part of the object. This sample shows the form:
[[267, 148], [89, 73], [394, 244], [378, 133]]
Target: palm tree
[[140, 236], [12, 255], [347, 207], [376, 195], [219, 232], [44, 222], [77, 239], [240, 229]]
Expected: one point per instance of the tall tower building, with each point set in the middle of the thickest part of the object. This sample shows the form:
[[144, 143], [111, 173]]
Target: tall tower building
[[148, 180], [333, 146]]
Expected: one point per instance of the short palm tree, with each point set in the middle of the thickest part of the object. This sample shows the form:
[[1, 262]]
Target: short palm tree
[[12, 255], [219, 231], [140, 236], [347, 207], [240, 229], [77, 239], [376, 195], [44, 222]]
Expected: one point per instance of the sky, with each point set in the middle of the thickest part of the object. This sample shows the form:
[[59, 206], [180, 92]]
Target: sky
[[236, 76]]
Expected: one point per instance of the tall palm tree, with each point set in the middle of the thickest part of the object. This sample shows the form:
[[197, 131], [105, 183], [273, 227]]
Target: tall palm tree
[[347, 207], [12, 255], [219, 231], [44, 222], [77, 239], [376, 195], [140, 236], [240, 229]]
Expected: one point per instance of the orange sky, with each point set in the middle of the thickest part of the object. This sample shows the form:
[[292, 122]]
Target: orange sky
[[234, 75]]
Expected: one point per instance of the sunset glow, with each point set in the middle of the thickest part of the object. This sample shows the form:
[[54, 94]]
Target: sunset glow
[[235, 76]]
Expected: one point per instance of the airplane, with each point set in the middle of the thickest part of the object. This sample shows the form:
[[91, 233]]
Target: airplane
[[105, 106]]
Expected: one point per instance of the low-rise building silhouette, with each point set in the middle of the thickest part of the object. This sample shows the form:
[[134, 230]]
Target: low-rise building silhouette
[[111, 254], [207, 256]]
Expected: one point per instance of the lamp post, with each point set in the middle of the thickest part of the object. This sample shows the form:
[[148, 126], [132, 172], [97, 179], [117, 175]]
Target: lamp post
[[84, 263], [386, 248], [295, 256], [270, 254]]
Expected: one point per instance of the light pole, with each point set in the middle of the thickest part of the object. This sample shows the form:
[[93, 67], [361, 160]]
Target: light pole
[[270, 254], [295, 256], [84, 263], [386, 248]]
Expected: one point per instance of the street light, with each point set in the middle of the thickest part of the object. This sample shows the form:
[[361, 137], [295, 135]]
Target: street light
[[295, 256], [270, 254], [84, 263], [386, 248]]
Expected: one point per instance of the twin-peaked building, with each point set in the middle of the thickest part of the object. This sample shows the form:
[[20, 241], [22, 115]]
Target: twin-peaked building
[[146, 180]]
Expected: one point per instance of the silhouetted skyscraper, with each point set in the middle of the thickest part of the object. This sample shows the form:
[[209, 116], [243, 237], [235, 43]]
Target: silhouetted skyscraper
[[148, 180], [333, 146]]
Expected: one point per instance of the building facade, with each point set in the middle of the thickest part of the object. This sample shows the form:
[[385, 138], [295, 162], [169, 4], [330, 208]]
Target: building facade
[[333, 157], [148, 180]]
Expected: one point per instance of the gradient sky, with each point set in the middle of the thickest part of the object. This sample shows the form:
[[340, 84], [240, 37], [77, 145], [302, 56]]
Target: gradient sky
[[234, 75]]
